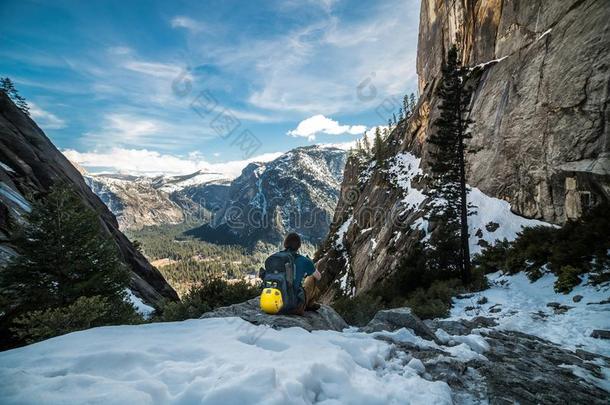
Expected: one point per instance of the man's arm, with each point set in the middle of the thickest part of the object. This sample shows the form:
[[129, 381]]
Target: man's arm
[[317, 275], [312, 271]]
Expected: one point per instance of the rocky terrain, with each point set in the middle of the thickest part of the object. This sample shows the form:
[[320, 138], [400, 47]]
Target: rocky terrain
[[139, 201], [29, 165], [297, 192], [540, 134]]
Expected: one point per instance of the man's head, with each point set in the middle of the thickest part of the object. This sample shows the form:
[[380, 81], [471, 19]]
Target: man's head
[[292, 241]]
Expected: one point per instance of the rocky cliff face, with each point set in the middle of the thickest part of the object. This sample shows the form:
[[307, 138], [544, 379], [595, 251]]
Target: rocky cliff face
[[29, 165], [540, 138], [297, 192], [134, 201]]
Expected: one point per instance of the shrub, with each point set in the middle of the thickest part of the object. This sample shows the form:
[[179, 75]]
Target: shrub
[[578, 247], [567, 278], [358, 310], [213, 293], [84, 313]]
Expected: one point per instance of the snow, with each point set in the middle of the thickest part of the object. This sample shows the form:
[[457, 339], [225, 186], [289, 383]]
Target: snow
[[545, 33], [524, 308], [339, 242], [14, 197], [402, 169], [485, 64], [211, 361], [6, 167], [145, 310], [489, 209]]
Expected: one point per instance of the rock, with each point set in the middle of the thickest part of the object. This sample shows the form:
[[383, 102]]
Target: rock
[[541, 90], [495, 309], [397, 318], [326, 318], [31, 165], [577, 298], [603, 302], [558, 308], [482, 300], [492, 226], [417, 365], [601, 334], [479, 233]]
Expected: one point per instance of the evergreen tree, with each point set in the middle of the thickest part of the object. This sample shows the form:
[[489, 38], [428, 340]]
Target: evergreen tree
[[366, 144], [7, 86], [405, 105], [400, 114], [378, 146], [394, 118], [412, 102], [63, 257], [389, 122], [449, 207]]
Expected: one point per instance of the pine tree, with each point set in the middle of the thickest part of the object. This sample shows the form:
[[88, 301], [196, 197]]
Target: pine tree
[[405, 105], [378, 146], [400, 114], [366, 144], [449, 206], [63, 257], [7, 86], [412, 102], [394, 118]]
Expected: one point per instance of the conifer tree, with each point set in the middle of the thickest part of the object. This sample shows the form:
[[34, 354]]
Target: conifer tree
[[366, 144], [449, 206], [63, 257], [394, 118], [412, 102], [378, 146], [7, 86], [405, 105], [400, 114]]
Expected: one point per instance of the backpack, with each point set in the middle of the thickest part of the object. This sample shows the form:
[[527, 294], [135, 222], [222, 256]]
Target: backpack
[[279, 273]]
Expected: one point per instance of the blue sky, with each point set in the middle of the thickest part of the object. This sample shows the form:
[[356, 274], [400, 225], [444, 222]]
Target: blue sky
[[145, 85]]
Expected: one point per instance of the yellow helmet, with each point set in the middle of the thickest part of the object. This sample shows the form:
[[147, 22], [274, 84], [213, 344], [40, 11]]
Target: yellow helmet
[[271, 301]]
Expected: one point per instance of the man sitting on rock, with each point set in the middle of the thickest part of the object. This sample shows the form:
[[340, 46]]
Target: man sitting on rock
[[305, 269]]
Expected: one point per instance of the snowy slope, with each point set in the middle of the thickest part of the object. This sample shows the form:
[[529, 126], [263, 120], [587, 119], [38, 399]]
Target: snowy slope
[[216, 361], [522, 306]]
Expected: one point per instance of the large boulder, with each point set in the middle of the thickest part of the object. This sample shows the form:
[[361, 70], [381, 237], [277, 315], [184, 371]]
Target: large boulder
[[324, 318], [397, 318]]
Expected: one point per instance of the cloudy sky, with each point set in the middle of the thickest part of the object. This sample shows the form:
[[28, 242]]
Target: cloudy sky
[[135, 85]]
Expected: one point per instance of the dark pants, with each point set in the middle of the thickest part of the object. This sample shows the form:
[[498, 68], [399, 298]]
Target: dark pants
[[309, 289]]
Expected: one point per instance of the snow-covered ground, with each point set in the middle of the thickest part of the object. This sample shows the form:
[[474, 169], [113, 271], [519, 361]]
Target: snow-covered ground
[[220, 361], [523, 307]]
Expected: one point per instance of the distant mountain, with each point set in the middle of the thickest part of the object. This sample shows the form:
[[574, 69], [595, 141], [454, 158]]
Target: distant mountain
[[139, 201], [296, 192]]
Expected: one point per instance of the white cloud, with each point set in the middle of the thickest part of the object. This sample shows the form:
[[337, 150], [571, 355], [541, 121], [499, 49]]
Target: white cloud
[[187, 23], [151, 163], [308, 128], [320, 66], [45, 119], [160, 70]]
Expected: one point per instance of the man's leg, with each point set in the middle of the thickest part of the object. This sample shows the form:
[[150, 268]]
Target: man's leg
[[309, 285]]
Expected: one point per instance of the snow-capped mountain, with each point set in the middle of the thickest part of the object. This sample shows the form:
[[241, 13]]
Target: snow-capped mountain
[[296, 192], [139, 201]]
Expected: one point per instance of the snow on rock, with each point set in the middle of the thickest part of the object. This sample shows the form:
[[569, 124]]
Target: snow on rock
[[402, 169], [145, 310], [6, 167], [211, 361], [14, 197], [517, 304], [489, 213]]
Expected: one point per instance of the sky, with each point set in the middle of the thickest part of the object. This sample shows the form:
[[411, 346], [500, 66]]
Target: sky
[[160, 86]]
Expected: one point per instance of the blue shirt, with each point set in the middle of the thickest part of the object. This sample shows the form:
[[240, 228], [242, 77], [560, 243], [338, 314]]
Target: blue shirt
[[304, 267]]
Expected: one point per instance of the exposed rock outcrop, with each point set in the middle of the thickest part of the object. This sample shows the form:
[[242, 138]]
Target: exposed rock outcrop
[[297, 192], [29, 165], [540, 135], [396, 318], [324, 318]]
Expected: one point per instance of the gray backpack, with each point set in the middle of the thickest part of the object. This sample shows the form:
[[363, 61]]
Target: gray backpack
[[279, 272]]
